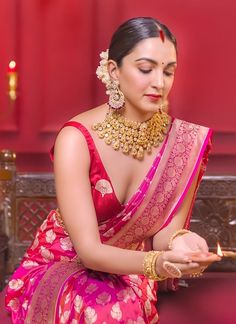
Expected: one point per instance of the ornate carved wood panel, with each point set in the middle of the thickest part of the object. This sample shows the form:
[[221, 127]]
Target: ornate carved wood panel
[[35, 197], [214, 215]]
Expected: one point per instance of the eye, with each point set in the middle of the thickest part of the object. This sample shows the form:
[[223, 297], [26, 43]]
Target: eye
[[145, 70], [167, 73]]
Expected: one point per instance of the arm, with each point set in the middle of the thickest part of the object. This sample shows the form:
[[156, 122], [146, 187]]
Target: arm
[[162, 238], [190, 244]]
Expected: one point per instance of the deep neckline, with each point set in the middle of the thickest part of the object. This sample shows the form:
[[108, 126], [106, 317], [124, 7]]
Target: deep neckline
[[98, 156]]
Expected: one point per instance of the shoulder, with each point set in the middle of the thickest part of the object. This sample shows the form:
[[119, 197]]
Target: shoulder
[[91, 116], [71, 145], [74, 134]]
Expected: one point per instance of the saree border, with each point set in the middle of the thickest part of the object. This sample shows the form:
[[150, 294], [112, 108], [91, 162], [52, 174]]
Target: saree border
[[198, 162], [155, 210], [44, 302]]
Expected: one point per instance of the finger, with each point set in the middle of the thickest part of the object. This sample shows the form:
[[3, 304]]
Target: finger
[[188, 267], [209, 259], [198, 256], [176, 256]]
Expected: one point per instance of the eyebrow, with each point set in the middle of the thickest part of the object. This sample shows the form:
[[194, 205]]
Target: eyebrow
[[153, 61]]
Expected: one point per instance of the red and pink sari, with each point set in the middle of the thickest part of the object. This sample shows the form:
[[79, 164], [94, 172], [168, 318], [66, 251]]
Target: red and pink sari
[[52, 285]]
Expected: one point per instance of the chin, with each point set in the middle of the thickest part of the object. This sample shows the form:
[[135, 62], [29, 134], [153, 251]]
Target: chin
[[152, 108]]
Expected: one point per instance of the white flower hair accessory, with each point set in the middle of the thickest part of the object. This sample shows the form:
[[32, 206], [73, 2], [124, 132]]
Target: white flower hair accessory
[[102, 70]]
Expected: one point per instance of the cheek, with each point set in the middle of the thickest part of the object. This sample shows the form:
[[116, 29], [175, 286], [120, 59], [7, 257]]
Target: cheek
[[133, 81], [169, 84]]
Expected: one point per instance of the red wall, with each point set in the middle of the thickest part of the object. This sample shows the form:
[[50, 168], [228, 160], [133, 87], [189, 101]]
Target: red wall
[[57, 45]]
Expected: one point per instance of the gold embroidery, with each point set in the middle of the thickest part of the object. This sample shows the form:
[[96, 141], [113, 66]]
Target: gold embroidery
[[104, 187], [59, 218]]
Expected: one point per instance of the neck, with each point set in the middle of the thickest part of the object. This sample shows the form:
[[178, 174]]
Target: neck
[[136, 115]]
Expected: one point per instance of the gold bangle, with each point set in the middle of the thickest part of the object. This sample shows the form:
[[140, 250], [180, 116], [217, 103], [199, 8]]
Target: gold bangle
[[177, 233], [149, 265]]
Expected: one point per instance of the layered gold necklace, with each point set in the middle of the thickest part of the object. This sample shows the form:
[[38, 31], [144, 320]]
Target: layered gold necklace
[[132, 137]]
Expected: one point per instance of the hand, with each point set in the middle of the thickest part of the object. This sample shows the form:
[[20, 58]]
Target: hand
[[187, 262], [189, 242], [192, 242]]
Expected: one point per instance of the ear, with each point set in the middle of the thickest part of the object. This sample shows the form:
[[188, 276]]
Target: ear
[[113, 70]]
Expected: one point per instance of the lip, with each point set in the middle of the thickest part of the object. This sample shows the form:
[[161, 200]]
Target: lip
[[153, 96]]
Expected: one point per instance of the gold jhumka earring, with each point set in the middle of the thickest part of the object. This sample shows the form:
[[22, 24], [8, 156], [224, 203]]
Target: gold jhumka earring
[[116, 96]]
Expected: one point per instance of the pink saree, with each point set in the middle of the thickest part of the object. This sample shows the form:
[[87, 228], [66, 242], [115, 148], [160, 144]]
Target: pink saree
[[52, 285]]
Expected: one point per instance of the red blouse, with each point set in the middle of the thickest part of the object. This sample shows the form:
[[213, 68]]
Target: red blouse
[[105, 200]]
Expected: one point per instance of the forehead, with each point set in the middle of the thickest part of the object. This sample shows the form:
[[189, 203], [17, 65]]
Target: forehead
[[155, 49]]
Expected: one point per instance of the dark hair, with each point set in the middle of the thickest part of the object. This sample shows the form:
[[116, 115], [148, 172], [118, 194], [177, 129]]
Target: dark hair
[[131, 32]]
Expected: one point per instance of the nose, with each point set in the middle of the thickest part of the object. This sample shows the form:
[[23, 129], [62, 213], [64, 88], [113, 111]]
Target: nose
[[158, 80]]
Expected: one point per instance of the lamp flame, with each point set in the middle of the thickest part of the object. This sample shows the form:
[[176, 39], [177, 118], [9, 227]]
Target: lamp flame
[[219, 251]]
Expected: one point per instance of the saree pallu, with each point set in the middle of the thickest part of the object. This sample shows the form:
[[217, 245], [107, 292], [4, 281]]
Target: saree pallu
[[52, 285]]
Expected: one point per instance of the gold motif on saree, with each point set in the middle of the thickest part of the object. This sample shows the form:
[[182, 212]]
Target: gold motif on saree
[[104, 187], [103, 299], [78, 303], [90, 315], [116, 312]]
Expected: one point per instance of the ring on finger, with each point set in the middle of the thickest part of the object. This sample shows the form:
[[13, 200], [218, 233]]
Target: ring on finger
[[172, 269]]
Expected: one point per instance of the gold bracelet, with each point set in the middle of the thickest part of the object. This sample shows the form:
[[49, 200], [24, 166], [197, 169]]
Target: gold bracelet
[[149, 265], [177, 233]]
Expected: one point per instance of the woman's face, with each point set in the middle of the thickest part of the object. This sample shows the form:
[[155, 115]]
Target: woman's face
[[146, 75]]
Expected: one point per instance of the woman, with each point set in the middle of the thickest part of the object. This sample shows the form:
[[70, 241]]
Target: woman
[[126, 176]]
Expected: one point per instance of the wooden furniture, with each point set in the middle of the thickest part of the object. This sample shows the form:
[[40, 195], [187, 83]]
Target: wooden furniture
[[7, 181], [214, 216], [3, 259]]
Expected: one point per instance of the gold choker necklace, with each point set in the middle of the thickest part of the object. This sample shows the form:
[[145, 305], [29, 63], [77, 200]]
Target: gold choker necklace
[[132, 137]]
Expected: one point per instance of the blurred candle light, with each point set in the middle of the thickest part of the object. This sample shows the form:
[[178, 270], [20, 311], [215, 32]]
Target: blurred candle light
[[12, 75], [12, 66]]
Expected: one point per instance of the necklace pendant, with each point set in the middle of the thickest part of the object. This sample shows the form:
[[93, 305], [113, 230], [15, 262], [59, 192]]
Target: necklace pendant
[[116, 145], [108, 141], [149, 148], [125, 149], [140, 154], [134, 152]]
